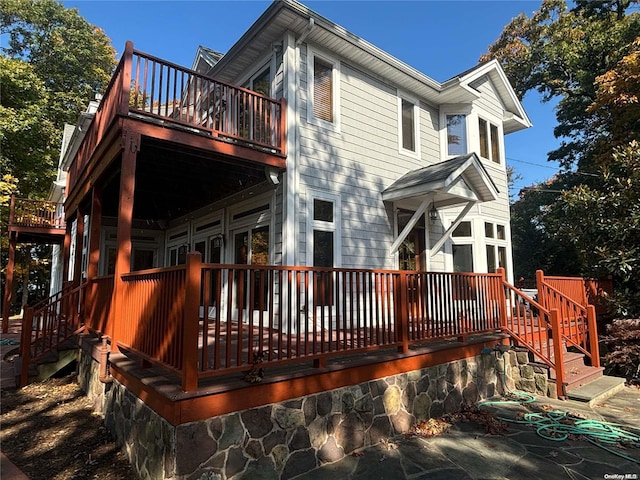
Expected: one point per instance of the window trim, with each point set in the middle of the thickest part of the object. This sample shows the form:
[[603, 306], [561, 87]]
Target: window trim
[[324, 226], [458, 109], [416, 125], [335, 90], [490, 125]]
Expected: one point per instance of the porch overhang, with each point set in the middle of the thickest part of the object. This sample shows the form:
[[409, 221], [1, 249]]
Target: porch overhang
[[461, 180]]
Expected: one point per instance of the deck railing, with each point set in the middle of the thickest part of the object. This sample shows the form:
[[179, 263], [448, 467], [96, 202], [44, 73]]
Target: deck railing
[[46, 327], [204, 320], [149, 87], [578, 326], [25, 212]]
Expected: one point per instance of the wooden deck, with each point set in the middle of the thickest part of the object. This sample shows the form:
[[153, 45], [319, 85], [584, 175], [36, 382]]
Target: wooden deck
[[162, 390]]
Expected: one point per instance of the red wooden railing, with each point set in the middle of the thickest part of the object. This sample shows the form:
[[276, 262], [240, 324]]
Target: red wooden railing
[[99, 316], [25, 212], [152, 88], [578, 326], [46, 327], [204, 320]]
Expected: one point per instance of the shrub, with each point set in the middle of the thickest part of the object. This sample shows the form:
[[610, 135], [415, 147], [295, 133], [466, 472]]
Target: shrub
[[623, 344]]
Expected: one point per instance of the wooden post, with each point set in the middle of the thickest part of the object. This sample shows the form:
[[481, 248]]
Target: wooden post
[[66, 251], [593, 336], [542, 298], [130, 147], [8, 287], [93, 249], [402, 322], [125, 85], [25, 346], [190, 322], [77, 265], [503, 297], [558, 352]]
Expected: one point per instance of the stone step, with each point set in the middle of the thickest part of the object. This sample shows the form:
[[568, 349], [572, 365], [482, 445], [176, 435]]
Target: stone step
[[597, 390]]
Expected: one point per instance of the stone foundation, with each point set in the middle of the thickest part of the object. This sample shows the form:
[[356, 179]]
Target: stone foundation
[[282, 440]]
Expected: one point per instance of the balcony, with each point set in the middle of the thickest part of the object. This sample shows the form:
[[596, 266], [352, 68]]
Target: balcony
[[36, 220], [165, 102]]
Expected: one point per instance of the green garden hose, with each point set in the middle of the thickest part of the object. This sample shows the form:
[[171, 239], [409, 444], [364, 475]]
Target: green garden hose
[[557, 425]]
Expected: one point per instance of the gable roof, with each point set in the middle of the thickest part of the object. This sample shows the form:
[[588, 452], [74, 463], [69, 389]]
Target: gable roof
[[284, 16], [458, 179]]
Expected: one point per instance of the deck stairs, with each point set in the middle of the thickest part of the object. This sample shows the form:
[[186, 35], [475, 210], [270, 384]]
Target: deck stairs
[[49, 364], [530, 328]]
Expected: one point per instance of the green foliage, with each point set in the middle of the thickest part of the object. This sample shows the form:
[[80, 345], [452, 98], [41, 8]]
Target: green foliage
[[73, 58], [623, 345], [27, 135], [52, 63], [602, 222], [560, 52]]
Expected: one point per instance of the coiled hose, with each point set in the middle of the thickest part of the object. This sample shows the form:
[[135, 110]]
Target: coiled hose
[[557, 425]]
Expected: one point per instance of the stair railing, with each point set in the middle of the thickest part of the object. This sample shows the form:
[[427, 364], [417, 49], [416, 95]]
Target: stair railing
[[531, 324], [577, 322], [48, 325]]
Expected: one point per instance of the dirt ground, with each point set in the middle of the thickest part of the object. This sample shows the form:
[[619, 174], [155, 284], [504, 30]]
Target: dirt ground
[[50, 432]]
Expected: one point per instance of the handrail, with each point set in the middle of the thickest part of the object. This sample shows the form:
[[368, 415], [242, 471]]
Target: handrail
[[578, 322], [45, 328], [26, 212], [149, 87], [532, 331]]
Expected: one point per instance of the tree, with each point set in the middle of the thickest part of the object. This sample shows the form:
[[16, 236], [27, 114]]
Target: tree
[[588, 57], [52, 64], [603, 223], [560, 52]]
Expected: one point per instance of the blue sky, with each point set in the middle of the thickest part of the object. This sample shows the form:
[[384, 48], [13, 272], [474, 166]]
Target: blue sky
[[439, 38]]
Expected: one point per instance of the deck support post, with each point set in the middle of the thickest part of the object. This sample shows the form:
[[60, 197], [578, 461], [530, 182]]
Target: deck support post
[[130, 148], [402, 322], [77, 263], [93, 251], [502, 301], [190, 322], [25, 346], [8, 287], [593, 336], [558, 357]]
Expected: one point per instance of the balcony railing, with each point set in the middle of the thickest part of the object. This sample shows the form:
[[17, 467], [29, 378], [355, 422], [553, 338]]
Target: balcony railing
[[149, 87], [27, 213]]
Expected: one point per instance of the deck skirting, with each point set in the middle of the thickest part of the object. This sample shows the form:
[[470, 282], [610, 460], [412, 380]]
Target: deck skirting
[[283, 439]]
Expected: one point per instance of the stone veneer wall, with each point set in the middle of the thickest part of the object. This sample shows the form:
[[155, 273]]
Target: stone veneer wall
[[282, 440]]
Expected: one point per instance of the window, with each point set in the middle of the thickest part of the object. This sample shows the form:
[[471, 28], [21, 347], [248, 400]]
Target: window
[[408, 117], [496, 251], [322, 90], [489, 141], [456, 134], [323, 240], [462, 258], [322, 80], [462, 230], [261, 83]]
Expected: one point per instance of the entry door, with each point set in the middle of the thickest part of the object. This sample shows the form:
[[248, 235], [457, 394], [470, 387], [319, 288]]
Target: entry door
[[251, 247]]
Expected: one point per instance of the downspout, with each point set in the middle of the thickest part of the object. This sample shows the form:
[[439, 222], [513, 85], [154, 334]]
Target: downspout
[[104, 377]]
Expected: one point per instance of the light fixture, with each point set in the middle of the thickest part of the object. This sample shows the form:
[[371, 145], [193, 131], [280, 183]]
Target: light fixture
[[218, 241], [433, 213]]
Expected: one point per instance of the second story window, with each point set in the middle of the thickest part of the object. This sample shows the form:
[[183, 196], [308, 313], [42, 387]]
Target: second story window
[[408, 126], [323, 91], [489, 140], [456, 134]]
